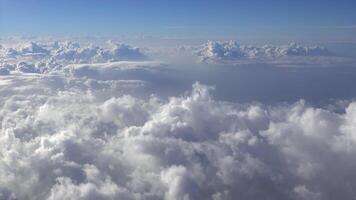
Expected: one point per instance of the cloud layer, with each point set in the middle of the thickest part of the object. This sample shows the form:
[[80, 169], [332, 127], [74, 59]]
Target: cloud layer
[[74, 145], [80, 123], [51, 55]]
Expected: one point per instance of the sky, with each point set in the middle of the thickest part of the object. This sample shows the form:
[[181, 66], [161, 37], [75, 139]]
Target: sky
[[223, 19]]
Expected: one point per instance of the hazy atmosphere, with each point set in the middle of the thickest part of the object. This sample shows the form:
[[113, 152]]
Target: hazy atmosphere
[[177, 100]]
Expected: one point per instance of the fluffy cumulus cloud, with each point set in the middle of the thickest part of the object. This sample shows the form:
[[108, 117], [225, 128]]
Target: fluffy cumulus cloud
[[35, 57], [76, 145], [74, 52], [231, 51]]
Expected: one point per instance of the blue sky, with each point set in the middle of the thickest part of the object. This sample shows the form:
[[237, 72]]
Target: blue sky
[[274, 19]]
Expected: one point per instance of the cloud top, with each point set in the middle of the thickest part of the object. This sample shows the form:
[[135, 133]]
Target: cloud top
[[187, 147], [39, 58], [213, 51]]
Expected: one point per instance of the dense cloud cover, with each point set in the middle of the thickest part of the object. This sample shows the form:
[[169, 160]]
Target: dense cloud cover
[[87, 133], [73, 145]]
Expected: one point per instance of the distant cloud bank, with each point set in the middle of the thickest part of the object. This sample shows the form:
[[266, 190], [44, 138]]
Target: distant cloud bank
[[231, 51], [33, 57]]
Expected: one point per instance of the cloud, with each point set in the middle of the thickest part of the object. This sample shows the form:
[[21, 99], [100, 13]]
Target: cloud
[[43, 58], [114, 70], [217, 52], [49, 57], [27, 68], [92, 54], [33, 49], [80, 123], [4, 71], [75, 144]]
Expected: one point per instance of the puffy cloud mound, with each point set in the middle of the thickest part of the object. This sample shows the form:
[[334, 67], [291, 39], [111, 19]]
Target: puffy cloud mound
[[27, 68], [32, 49], [92, 54], [229, 51], [76, 145], [41, 58], [27, 49]]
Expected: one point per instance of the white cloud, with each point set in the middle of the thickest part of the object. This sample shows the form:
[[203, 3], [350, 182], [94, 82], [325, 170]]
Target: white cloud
[[48, 57], [71, 145], [92, 54], [33, 49], [293, 54]]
